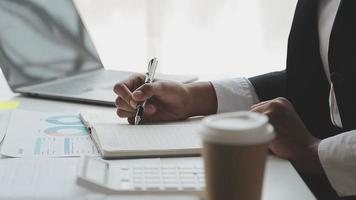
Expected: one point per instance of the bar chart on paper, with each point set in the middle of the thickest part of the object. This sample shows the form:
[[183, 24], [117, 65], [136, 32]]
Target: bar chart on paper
[[46, 134]]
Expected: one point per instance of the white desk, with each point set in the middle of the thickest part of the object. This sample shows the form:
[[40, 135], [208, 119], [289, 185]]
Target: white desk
[[281, 180]]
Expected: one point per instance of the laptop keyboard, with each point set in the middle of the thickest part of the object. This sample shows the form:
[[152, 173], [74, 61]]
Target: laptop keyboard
[[70, 87], [87, 83]]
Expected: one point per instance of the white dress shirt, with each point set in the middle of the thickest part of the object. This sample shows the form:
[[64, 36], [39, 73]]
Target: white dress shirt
[[337, 154]]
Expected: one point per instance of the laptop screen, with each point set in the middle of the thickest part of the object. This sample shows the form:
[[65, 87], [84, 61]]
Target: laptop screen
[[43, 40]]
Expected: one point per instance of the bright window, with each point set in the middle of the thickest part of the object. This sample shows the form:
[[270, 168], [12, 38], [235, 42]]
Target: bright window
[[222, 37]]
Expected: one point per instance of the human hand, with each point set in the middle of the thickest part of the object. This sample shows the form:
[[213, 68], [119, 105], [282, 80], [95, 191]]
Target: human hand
[[294, 141], [166, 100]]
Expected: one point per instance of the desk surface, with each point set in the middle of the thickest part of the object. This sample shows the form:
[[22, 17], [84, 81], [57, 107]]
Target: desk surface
[[281, 179]]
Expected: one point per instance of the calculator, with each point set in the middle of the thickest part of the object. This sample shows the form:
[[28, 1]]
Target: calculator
[[121, 178]]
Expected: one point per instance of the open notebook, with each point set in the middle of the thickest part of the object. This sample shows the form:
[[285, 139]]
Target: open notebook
[[118, 140]]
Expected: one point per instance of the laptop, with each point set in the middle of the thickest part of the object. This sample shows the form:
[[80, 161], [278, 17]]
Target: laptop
[[46, 51]]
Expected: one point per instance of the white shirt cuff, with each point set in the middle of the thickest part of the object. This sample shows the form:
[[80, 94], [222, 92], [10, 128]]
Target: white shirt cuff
[[337, 155], [234, 94]]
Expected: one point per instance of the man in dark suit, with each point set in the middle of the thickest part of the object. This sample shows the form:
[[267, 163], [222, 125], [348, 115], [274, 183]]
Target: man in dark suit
[[310, 104]]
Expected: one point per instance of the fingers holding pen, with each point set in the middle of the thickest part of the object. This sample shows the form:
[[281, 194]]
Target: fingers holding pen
[[129, 101], [124, 112], [149, 114], [146, 91], [125, 94], [123, 105], [134, 92], [124, 89]]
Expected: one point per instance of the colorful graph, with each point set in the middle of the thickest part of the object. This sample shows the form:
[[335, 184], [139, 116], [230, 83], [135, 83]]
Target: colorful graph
[[65, 146], [65, 120], [66, 131], [65, 125]]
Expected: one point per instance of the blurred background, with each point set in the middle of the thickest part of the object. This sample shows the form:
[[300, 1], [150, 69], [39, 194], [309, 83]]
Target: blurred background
[[202, 37]]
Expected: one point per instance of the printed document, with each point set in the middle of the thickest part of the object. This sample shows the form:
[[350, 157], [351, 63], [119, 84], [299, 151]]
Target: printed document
[[42, 134]]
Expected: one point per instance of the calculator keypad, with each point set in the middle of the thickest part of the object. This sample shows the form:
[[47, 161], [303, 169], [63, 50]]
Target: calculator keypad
[[160, 177]]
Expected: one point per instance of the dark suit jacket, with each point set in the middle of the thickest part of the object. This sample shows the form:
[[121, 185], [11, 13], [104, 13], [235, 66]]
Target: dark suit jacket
[[304, 81]]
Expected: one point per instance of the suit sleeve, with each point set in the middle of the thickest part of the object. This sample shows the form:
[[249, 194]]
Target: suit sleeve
[[270, 86]]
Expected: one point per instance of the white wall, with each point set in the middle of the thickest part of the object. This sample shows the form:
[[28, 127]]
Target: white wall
[[233, 37]]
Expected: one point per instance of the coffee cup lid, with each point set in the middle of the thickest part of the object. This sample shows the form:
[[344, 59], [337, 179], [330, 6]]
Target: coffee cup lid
[[240, 127]]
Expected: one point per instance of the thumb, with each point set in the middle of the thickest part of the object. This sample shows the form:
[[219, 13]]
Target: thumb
[[146, 91]]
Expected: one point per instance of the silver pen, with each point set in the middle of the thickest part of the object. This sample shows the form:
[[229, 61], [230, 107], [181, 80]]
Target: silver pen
[[149, 78]]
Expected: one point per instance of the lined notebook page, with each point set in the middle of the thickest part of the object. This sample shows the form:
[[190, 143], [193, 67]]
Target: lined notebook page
[[122, 137]]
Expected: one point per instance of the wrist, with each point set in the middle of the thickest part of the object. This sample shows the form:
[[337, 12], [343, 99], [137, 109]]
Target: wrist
[[315, 164], [309, 160], [201, 99]]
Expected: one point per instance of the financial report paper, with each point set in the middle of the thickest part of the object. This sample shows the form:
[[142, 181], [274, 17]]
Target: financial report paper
[[41, 134]]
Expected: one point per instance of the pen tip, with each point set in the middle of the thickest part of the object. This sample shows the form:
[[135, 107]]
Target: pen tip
[[137, 120]]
